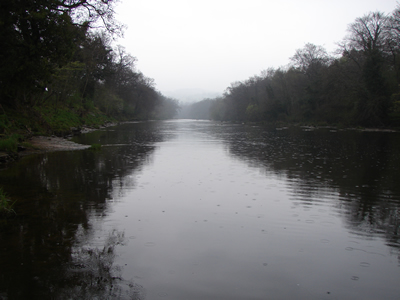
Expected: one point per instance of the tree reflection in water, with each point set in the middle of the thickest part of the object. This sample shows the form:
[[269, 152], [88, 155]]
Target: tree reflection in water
[[45, 251], [360, 168], [58, 196], [92, 274]]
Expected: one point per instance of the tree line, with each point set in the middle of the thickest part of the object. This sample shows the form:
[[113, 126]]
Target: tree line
[[357, 86], [60, 53]]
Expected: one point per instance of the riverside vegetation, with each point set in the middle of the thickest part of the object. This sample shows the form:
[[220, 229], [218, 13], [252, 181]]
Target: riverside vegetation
[[357, 86], [5, 204], [60, 70]]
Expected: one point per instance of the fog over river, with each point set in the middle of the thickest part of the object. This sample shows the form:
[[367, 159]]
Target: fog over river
[[189, 209]]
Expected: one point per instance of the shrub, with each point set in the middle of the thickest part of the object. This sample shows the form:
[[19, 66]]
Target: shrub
[[5, 203], [10, 144]]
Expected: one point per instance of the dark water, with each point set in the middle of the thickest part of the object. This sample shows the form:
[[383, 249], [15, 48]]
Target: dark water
[[199, 210]]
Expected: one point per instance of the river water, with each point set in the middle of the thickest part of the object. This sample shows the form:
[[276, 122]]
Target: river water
[[190, 209]]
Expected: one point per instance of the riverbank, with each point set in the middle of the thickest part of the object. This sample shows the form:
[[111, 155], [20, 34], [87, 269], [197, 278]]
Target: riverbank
[[55, 143], [41, 144], [44, 143], [25, 129]]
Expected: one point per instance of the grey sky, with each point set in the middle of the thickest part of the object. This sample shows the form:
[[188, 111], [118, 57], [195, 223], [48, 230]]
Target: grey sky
[[209, 44]]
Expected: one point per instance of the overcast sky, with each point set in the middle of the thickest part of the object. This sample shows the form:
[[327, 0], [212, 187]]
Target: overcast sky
[[208, 44]]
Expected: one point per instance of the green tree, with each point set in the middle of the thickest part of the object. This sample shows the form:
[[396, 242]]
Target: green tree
[[39, 37]]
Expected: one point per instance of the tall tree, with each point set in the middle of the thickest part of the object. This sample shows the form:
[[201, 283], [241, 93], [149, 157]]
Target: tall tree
[[310, 59], [393, 41], [367, 33], [40, 36], [367, 36]]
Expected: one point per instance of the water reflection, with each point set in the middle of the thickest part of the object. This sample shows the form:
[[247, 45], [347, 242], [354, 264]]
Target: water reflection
[[58, 197], [359, 167], [92, 274], [210, 211]]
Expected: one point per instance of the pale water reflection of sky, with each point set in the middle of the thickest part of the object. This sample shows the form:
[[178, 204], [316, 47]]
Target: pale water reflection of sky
[[209, 44], [203, 223]]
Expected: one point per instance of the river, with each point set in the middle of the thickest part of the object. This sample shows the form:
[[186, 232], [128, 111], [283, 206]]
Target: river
[[189, 209]]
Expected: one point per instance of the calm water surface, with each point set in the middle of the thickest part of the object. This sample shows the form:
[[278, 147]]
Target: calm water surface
[[202, 210]]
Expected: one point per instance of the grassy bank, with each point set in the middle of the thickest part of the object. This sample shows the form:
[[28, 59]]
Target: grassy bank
[[16, 125]]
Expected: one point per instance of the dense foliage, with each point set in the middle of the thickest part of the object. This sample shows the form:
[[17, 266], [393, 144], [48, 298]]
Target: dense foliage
[[360, 86], [57, 56]]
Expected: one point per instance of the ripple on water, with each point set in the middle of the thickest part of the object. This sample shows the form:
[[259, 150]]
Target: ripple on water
[[364, 264], [327, 223]]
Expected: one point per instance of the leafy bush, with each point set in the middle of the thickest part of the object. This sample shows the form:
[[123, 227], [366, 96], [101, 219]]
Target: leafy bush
[[5, 203], [10, 144]]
